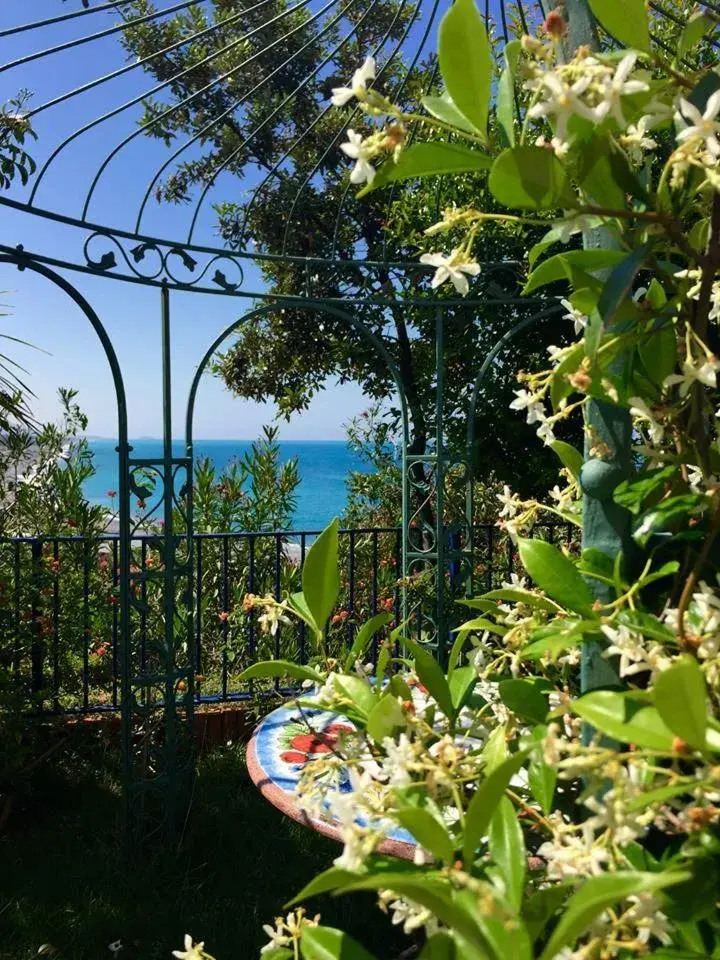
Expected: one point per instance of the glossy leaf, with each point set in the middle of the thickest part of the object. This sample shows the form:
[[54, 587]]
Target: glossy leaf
[[462, 680], [495, 751], [385, 718], [364, 635], [431, 676], [430, 158], [466, 62], [636, 491], [698, 26], [539, 907], [444, 108], [441, 946], [281, 668], [506, 90], [484, 802], [569, 456], [556, 574], [626, 21], [518, 595], [530, 178], [320, 577], [618, 286], [681, 700], [356, 691], [623, 719], [482, 623], [524, 698], [428, 832], [560, 266], [596, 895], [507, 849], [542, 779], [327, 943]]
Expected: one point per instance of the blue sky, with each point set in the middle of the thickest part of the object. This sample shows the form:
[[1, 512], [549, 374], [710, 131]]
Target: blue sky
[[39, 313]]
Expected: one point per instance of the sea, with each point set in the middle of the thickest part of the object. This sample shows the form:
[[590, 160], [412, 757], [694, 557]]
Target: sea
[[323, 467]]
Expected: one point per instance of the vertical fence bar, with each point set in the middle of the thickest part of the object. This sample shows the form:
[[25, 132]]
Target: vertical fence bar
[[36, 649], [115, 580], [225, 624], [17, 650], [56, 626], [277, 587], [396, 588], [351, 587], [490, 531], [303, 628], [374, 590], [251, 589], [143, 614], [198, 612], [86, 624], [510, 551]]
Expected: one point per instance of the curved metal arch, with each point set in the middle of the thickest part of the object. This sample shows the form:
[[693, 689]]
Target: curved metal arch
[[23, 261], [314, 306]]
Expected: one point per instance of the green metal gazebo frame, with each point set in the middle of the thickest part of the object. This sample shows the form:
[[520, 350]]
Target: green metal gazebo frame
[[157, 687]]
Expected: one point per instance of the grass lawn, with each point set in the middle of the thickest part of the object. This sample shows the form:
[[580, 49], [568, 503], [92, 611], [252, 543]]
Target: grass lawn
[[63, 879]]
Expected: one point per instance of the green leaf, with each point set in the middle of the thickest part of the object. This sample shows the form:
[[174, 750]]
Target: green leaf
[[658, 353], [541, 780], [569, 456], [444, 108], [431, 892], [627, 22], [301, 609], [681, 700], [620, 717], [561, 265], [495, 751], [466, 62], [507, 848], [278, 953], [524, 698], [553, 645], [528, 177], [517, 595], [550, 238], [356, 690], [596, 895], [428, 832], [440, 946], [481, 623], [556, 575], [326, 943], [540, 906], [320, 577], [633, 493], [670, 516], [385, 718], [431, 676], [560, 388], [618, 285], [430, 158], [462, 680], [332, 879], [506, 90], [695, 29], [281, 668], [485, 800], [364, 635]]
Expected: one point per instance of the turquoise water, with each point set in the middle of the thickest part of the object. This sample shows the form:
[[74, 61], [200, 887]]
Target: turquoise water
[[323, 467]]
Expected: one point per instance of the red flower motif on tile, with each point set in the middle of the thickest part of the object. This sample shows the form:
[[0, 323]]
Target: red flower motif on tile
[[307, 746]]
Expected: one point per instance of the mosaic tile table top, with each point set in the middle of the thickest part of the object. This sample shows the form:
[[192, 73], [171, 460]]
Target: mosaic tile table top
[[281, 746]]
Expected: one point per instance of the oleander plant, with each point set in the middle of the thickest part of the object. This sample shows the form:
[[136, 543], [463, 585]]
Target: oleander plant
[[553, 821]]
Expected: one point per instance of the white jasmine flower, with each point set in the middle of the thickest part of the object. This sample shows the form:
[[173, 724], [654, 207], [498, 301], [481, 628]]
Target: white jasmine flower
[[356, 149], [640, 410], [530, 402], [646, 915], [578, 318], [398, 757], [272, 618], [696, 275], [358, 84], [115, 947], [574, 223], [700, 126], [477, 656], [636, 140], [616, 87], [410, 914], [573, 856], [510, 502], [562, 102], [635, 655], [545, 433], [192, 951], [277, 936], [715, 302], [457, 268], [704, 373]]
